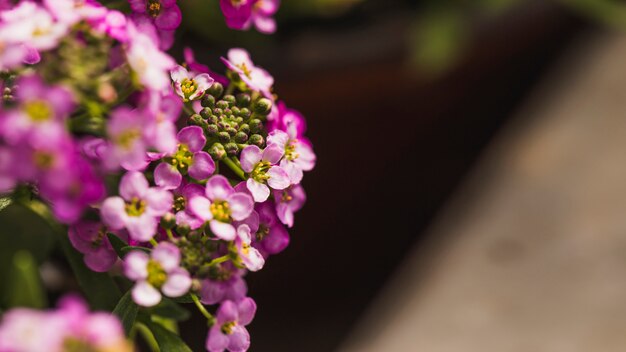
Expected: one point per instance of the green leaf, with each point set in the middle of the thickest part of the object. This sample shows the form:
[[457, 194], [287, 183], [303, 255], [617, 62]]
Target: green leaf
[[127, 249], [24, 283], [117, 244], [170, 309], [167, 340], [186, 298], [126, 310]]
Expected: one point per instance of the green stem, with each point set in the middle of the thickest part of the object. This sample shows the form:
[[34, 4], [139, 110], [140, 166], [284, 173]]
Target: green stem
[[153, 242], [201, 308], [147, 335], [236, 169], [230, 89], [219, 260], [170, 235]]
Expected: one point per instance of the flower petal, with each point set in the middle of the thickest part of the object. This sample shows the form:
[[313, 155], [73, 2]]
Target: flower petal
[[260, 192], [136, 265], [141, 228], [113, 212], [178, 283], [201, 207], [223, 230], [241, 205], [168, 255], [133, 184], [250, 156], [159, 201], [273, 153], [193, 137], [279, 179], [167, 176], [145, 295], [239, 340], [216, 341], [246, 309], [202, 166], [218, 187], [179, 73]]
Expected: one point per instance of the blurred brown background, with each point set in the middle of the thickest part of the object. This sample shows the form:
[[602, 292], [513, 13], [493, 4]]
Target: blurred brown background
[[470, 185]]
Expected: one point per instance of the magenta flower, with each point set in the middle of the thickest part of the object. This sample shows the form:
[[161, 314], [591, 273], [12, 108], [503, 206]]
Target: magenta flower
[[155, 273], [149, 63], [128, 131], [263, 171], [261, 16], [270, 236], [138, 209], [90, 238], [233, 288], [229, 330], [188, 159], [254, 77], [41, 111], [250, 256], [182, 195], [165, 110], [33, 25], [165, 14], [237, 13], [299, 156], [221, 206], [190, 87], [289, 201]]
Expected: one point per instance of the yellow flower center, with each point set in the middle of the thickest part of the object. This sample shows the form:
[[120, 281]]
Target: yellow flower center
[[182, 159], [136, 207], [188, 87], [290, 151], [154, 8], [38, 110], [127, 138], [156, 275], [259, 173], [227, 328], [221, 211]]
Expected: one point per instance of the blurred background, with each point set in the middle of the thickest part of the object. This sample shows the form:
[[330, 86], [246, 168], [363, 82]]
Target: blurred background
[[470, 188]]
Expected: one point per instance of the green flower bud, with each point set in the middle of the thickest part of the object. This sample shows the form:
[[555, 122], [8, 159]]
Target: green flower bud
[[230, 99], [218, 111], [243, 100], [222, 104], [245, 128], [183, 229], [262, 106], [196, 120], [206, 113], [235, 110], [241, 137], [208, 101], [216, 90], [231, 149], [245, 113], [212, 130], [168, 221], [217, 151], [257, 139], [256, 126], [231, 131], [224, 137]]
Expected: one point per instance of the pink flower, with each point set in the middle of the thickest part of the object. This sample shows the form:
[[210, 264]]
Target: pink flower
[[165, 14], [221, 206], [32, 25], [261, 165], [229, 330], [90, 238], [188, 87], [289, 201], [299, 155], [188, 159], [155, 273], [138, 209], [129, 134], [250, 256], [149, 63], [254, 77]]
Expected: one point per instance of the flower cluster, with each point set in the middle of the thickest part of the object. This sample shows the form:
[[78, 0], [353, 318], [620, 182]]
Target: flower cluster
[[197, 174], [71, 327]]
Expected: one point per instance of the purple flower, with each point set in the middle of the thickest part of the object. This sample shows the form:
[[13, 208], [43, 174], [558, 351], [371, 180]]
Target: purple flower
[[299, 156], [237, 13], [254, 77], [90, 238], [182, 195], [233, 287], [149, 63], [188, 159], [138, 209], [262, 13], [166, 110], [270, 236], [159, 271], [250, 256], [263, 171], [41, 111], [70, 326], [190, 87], [289, 201], [229, 330], [128, 131], [221, 206], [165, 14]]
